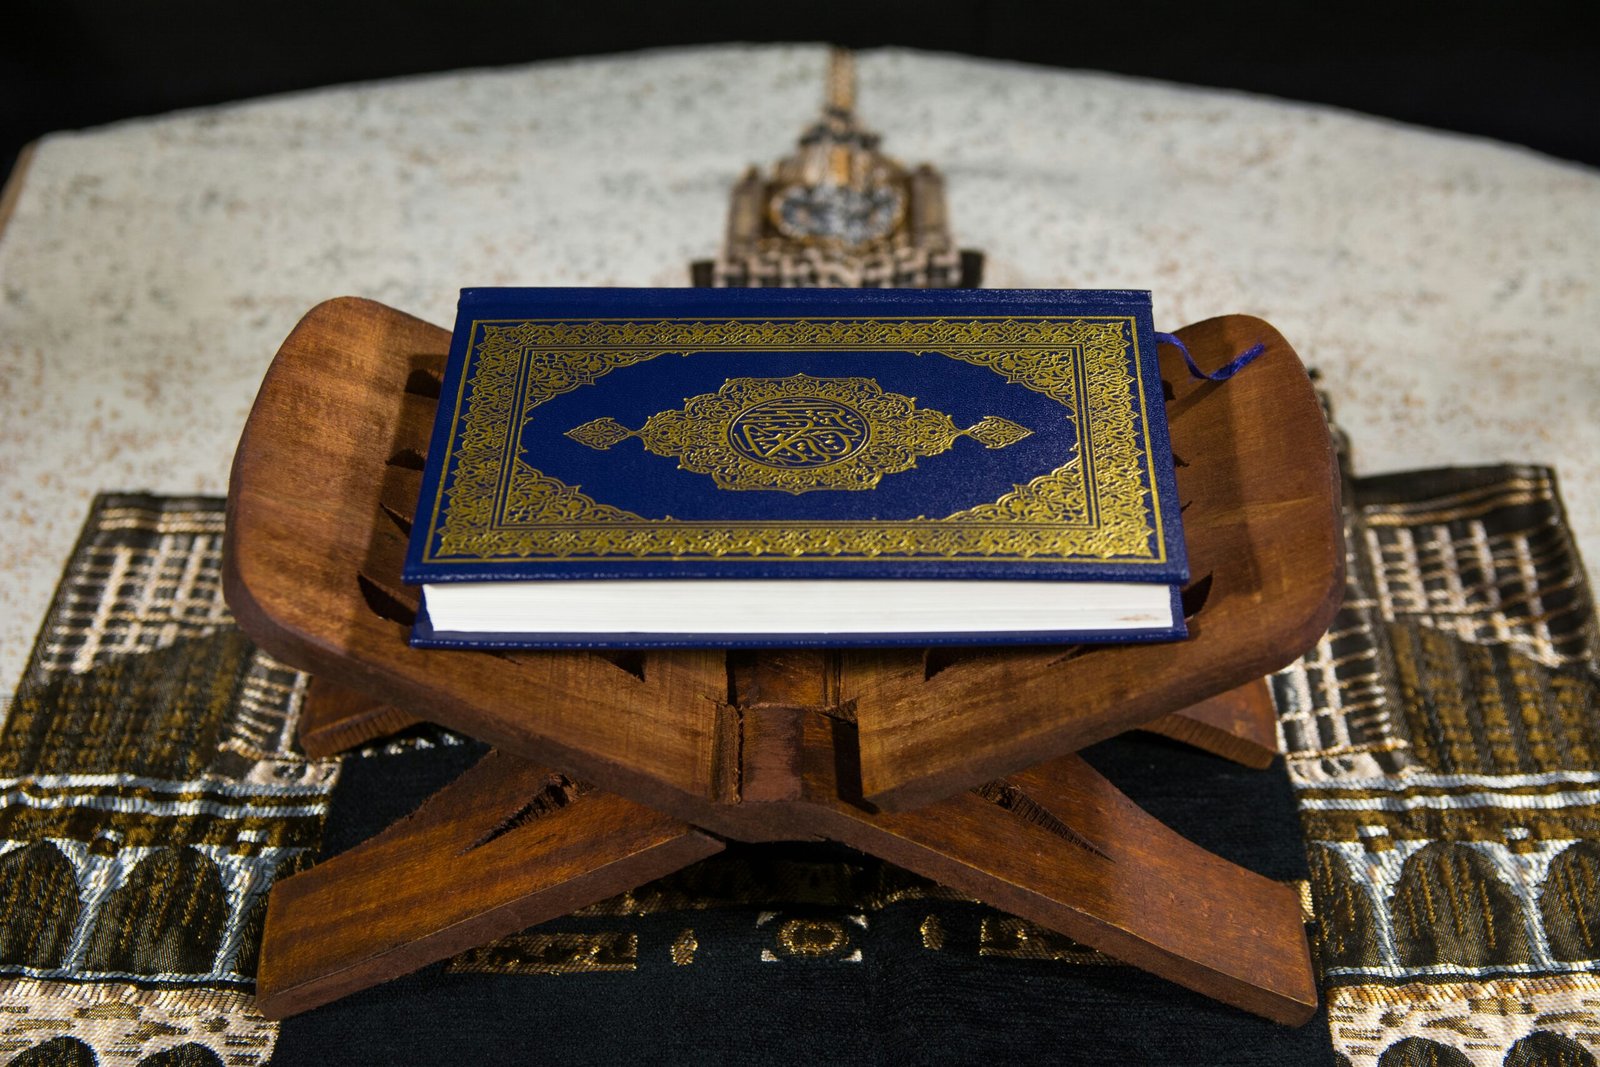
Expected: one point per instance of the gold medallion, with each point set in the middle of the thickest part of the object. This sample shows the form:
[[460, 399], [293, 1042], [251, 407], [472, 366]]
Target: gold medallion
[[799, 434]]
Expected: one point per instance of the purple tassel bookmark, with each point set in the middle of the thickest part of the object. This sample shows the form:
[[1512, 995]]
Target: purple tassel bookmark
[[1222, 374]]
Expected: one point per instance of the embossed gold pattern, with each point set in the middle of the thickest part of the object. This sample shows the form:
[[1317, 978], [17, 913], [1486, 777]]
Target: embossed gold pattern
[[813, 938], [561, 952], [1009, 936], [932, 931], [498, 507], [799, 433]]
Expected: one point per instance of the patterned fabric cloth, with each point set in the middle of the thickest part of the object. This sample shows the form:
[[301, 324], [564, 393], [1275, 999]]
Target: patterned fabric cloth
[[1443, 745], [149, 795], [1444, 742]]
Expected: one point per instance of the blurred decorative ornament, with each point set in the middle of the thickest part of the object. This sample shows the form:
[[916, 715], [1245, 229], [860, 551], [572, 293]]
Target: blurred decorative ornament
[[839, 213]]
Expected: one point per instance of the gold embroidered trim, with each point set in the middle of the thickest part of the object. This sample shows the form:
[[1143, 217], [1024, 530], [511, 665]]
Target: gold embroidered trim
[[932, 931], [1014, 938], [551, 953], [684, 948]]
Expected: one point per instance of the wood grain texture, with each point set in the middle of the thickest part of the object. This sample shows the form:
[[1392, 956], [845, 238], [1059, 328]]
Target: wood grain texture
[[333, 719], [774, 745], [312, 565], [319, 516], [1259, 487], [507, 845], [1240, 725], [1059, 845]]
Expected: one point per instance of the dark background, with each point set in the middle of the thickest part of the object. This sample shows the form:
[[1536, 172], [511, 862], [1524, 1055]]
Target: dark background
[[1524, 72]]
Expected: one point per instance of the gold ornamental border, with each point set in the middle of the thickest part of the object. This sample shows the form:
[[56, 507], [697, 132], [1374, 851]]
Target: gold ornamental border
[[1094, 507]]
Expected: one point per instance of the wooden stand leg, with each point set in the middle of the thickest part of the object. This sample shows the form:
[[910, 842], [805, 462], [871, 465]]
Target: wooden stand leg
[[1240, 725], [334, 719], [506, 845], [1061, 846], [511, 844], [770, 747]]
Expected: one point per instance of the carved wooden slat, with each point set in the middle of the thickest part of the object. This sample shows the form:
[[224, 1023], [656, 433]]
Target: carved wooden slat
[[506, 845], [315, 541], [1258, 482], [334, 719], [1062, 846], [773, 745], [1058, 844], [1241, 725], [312, 571]]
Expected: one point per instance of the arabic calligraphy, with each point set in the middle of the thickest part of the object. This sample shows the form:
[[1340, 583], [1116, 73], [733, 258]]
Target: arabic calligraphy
[[803, 431]]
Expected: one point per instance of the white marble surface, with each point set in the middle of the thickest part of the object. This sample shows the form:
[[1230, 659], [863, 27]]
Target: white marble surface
[[1446, 286]]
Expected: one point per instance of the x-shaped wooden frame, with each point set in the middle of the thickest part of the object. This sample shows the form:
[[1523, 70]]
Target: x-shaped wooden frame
[[954, 764]]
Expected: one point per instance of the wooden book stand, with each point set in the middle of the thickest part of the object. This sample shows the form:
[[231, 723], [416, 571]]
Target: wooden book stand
[[615, 768]]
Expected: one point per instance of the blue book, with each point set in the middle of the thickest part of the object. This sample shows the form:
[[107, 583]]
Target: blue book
[[798, 467]]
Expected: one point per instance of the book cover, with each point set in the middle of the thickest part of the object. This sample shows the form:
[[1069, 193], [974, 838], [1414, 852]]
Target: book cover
[[1012, 435]]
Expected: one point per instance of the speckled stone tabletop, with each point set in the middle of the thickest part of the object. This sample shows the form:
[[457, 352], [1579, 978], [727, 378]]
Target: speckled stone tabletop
[[1445, 286]]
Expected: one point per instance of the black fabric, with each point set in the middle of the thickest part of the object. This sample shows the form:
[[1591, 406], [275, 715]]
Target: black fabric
[[904, 1003], [1525, 74]]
